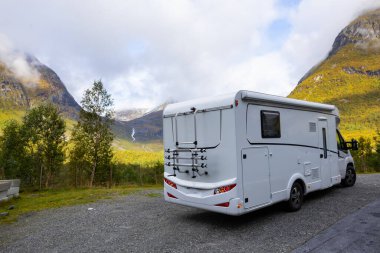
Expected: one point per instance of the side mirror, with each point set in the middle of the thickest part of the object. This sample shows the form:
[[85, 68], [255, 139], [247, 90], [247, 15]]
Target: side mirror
[[353, 144]]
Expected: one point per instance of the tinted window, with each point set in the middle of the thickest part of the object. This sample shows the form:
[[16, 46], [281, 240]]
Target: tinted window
[[340, 141], [270, 124], [324, 143]]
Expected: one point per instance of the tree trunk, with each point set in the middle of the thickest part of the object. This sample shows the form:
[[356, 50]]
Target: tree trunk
[[110, 176], [40, 176], [140, 176], [2, 174], [155, 175], [76, 176], [92, 174], [48, 175]]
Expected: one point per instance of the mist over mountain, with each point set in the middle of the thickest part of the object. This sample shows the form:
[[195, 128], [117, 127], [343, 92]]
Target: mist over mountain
[[21, 90]]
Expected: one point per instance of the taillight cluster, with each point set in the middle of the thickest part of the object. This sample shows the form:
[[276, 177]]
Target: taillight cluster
[[223, 189], [170, 183]]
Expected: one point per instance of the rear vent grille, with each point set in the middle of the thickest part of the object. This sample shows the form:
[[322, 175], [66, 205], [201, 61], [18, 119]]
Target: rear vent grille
[[312, 127], [315, 173]]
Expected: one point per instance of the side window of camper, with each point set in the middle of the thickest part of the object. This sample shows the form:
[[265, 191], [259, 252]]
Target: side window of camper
[[270, 124]]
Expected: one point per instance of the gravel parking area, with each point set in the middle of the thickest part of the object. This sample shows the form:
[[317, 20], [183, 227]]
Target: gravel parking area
[[145, 223]]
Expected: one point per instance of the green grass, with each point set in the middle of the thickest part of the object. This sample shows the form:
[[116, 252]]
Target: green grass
[[153, 195], [144, 158], [123, 144], [36, 201], [8, 115]]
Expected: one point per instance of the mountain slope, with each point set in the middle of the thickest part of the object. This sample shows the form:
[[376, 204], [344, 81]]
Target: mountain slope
[[19, 93], [130, 114], [350, 77]]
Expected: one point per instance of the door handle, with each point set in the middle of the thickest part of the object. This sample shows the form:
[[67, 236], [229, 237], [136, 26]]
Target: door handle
[[321, 156]]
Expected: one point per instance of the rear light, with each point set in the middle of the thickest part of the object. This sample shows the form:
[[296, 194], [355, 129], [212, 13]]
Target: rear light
[[224, 189], [172, 196], [170, 183], [226, 204], [236, 103]]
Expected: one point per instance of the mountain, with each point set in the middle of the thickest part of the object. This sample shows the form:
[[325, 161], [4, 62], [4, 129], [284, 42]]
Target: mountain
[[130, 114], [349, 77], [19, 93], [147, 128]]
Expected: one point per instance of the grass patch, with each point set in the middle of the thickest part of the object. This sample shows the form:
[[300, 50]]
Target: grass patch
[[366, 172], [41, 200], [153, 195]]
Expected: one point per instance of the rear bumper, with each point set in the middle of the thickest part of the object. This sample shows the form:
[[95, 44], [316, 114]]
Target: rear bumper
[[235, 208]]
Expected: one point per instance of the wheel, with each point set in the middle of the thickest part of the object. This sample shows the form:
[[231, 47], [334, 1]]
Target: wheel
[[350, 178], [296, 197]]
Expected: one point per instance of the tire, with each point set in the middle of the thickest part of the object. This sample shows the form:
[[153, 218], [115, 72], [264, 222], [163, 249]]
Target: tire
[[296, 197], [350, 178]]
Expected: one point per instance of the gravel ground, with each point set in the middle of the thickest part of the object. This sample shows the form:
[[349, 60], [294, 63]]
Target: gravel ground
[[148, 224]]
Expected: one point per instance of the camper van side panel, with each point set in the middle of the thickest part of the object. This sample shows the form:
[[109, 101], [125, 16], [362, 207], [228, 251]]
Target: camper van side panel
[[293, 154]]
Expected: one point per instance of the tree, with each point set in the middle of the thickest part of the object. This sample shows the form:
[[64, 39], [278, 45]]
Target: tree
[[12, 156], [375, 161], [44, 131], [92, 137]]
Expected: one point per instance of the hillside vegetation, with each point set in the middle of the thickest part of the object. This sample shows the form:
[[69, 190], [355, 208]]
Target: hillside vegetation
[[350, 77], [344, 80]]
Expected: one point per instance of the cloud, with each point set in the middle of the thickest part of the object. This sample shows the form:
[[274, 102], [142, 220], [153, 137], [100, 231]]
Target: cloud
[[16, 61], [148, 51]]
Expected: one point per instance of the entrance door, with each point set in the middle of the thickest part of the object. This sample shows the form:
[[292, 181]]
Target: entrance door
[[324, 153], [255, 176]]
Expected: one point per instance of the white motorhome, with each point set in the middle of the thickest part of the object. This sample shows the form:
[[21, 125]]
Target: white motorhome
[[240, 152]]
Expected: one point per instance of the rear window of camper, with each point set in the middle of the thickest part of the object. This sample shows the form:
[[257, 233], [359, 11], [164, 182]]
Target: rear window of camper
[[270, 124]]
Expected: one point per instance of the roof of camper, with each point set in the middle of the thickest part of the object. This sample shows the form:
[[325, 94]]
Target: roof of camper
[[248, 96]]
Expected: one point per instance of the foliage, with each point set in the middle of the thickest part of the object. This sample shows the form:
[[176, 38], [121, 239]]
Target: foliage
[[92, 136], [139, 166], [6, 115], [346, 80], [44, 132], [12, 155], [367, 159]]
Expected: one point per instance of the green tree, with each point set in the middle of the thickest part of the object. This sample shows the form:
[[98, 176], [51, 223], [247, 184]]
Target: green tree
[[44, 130], [375, 161], [12, 155], [92, 137]]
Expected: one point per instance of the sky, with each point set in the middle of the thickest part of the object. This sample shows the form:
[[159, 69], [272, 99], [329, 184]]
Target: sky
[[147, 52]]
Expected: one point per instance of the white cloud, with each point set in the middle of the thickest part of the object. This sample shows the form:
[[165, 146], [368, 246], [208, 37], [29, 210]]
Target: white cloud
[[315, 25], [149, 51], [16, 61]]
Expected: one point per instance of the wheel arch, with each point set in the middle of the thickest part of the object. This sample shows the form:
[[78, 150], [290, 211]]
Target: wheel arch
[[296, 178]]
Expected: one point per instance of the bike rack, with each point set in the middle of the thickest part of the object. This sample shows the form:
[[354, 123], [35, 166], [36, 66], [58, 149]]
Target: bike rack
[[197, 161]]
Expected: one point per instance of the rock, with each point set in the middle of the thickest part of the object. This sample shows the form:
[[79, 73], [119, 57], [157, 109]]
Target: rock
[[11, 207], [3, 214]]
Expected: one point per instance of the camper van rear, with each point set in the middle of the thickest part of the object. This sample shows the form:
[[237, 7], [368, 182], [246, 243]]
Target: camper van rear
[[240, 152]]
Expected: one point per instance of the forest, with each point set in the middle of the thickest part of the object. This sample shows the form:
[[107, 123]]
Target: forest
[[40, 151]]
